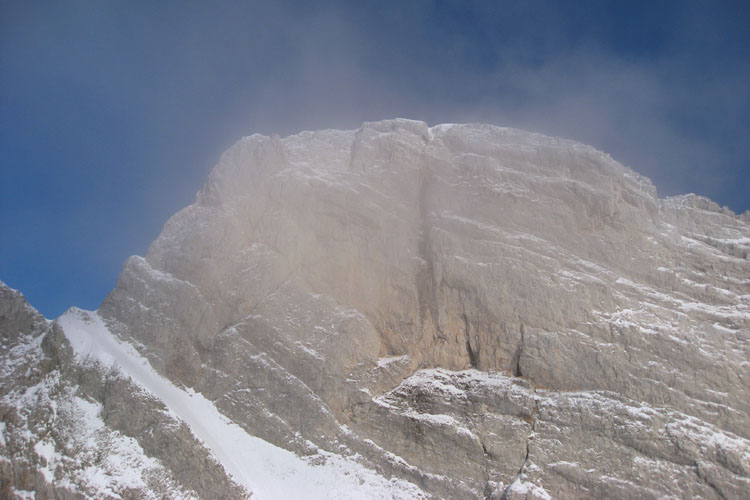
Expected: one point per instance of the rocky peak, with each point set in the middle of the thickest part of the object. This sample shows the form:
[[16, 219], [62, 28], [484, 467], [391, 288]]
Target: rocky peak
[[469, 308], [17, 317]]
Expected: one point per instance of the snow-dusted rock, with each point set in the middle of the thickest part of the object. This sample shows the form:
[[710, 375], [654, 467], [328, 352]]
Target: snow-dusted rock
[[473, 311], [74, 426]]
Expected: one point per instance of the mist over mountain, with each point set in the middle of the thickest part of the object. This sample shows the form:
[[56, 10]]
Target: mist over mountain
[[399, 311]]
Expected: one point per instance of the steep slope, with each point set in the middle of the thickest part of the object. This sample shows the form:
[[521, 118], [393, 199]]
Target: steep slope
[[76, 428], [476, 310], [84, 416]]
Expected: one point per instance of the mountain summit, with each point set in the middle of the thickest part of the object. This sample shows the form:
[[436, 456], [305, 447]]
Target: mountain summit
[[400, 311]]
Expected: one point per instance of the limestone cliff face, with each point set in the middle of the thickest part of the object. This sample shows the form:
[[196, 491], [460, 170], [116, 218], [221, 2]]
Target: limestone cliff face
[[482, 311]]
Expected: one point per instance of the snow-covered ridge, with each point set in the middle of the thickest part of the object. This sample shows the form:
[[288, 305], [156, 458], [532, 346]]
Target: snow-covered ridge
[[266, 471]]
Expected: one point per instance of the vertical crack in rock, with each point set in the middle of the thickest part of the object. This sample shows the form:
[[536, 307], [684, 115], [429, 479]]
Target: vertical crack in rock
[[516, 362], [426, 287], [484, 449], [534, 411], [473, 356]]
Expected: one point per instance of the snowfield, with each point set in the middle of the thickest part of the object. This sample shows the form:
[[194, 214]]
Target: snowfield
[[266, 471]]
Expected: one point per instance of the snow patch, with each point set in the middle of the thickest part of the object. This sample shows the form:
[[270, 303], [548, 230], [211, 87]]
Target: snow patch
[[384, 362], [531, 490]]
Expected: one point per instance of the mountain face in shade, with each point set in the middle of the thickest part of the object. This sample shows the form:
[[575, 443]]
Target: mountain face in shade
[[400, 311]]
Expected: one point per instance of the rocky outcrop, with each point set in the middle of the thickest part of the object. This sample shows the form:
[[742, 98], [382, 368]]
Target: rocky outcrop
[[484, 312], [74, 429]]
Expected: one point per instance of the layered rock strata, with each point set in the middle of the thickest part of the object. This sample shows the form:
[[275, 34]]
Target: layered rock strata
[[479, 311]]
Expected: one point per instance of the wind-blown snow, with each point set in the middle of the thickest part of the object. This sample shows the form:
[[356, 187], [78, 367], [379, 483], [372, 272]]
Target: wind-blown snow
[[269, 472]]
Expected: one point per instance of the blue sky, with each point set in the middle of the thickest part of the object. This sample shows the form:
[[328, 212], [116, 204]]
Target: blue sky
[[112, 113]]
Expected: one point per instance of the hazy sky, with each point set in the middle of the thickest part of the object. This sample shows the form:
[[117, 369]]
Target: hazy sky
[[113, 112]]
